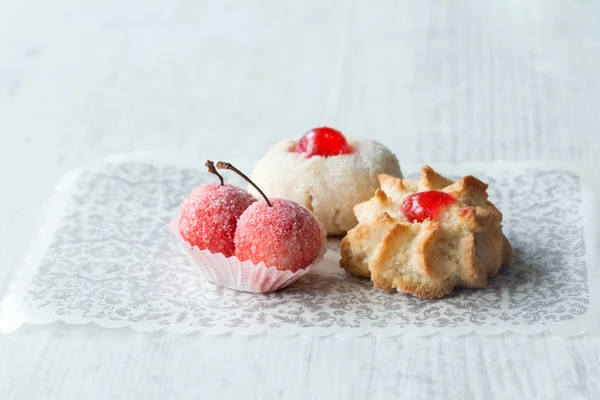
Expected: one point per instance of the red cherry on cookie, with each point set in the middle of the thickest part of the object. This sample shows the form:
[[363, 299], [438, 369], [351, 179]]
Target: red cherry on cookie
[[209, 215], [422, 206], [324, 142], [285, 235]]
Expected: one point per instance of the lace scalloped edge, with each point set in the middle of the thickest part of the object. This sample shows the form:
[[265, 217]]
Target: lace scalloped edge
[[304, 331], [54, 213]]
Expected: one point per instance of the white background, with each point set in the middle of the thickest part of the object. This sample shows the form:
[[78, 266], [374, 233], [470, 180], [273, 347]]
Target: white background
[[434, 80]]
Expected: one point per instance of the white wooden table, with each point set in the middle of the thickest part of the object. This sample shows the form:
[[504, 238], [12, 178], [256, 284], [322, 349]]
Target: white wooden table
[[434, 80]]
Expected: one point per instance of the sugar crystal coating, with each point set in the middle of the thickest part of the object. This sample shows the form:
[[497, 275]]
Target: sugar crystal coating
[[209, 215], [330, 187], [286, 235]]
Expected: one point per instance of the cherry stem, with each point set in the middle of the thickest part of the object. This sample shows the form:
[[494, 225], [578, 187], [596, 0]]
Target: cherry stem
[[211, 168], [226, 165]]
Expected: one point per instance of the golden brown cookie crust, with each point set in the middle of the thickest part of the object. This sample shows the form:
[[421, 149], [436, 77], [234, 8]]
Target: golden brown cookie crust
[[462, 248]]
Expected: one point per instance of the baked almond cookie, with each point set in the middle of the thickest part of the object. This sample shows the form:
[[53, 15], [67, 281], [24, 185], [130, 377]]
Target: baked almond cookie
[[427, 236], [326, 173]]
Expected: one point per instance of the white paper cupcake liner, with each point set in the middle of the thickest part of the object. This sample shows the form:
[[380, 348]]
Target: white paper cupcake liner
[[239, 275]]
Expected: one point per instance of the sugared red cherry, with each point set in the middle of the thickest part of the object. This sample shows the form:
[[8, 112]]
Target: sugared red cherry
[[285, 235], [325, 142], [208, 216], [278, 232], [425, 205]]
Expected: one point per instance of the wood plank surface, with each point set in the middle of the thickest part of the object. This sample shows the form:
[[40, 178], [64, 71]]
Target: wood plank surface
[[434, 80]]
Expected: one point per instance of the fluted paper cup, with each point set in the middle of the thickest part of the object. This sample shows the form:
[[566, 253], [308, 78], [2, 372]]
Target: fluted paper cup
[[244, 276]]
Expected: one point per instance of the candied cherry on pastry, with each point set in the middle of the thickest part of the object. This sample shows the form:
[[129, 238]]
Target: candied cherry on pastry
[[278, 232], [424, 206], [459, 242], [329, 187], [208, 216], [324, 142]]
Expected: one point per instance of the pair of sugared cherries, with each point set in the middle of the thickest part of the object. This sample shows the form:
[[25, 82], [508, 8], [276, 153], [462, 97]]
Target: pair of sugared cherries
[[225, 219]]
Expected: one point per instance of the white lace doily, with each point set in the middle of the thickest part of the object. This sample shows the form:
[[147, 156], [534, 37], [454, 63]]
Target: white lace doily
[[104, 256]]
